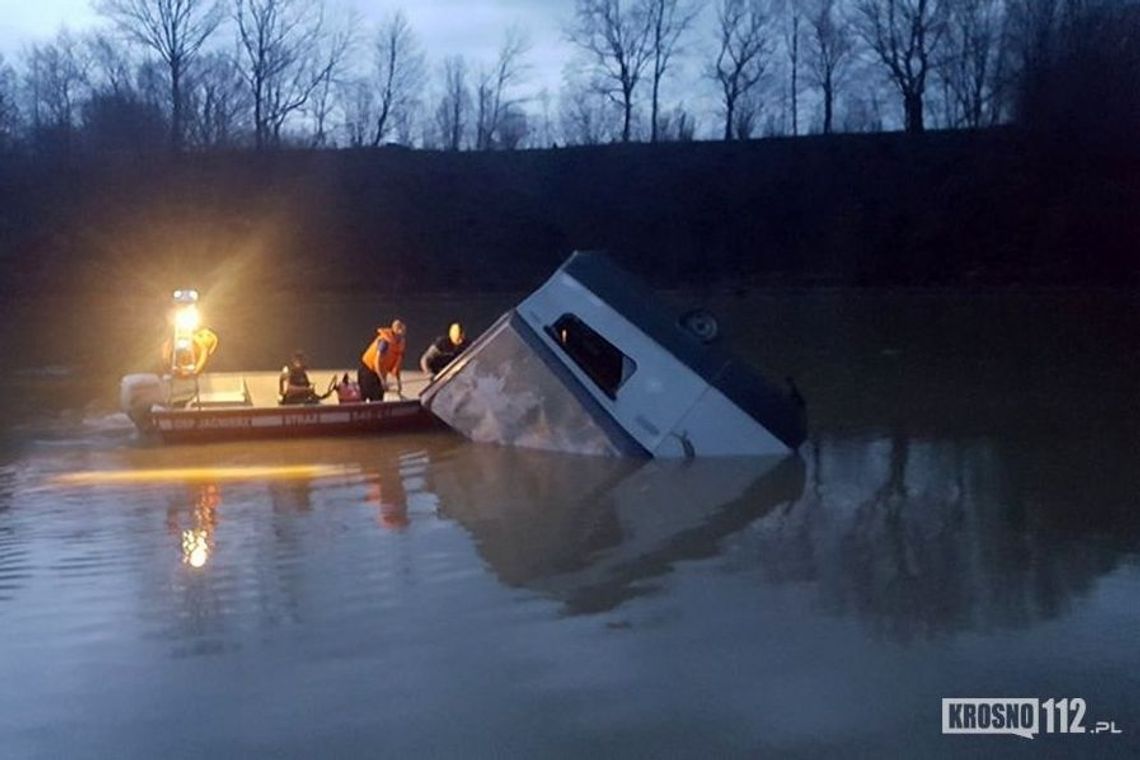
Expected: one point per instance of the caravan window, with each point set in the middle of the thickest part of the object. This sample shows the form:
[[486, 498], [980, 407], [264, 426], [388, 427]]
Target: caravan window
[[601, 360]]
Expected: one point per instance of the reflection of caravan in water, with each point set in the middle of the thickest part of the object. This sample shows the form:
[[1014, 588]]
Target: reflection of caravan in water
[[592, 533], [592, 363]]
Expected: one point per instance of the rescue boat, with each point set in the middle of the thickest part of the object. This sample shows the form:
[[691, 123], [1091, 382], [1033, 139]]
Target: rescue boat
[[593, 363], [186, 404], [218, 406]]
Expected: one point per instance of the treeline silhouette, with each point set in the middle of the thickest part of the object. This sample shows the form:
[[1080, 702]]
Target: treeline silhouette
[[103, 202], [945, 208]]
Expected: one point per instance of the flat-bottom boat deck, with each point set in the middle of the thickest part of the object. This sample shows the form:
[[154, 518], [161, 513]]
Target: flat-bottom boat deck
[[237, 405]]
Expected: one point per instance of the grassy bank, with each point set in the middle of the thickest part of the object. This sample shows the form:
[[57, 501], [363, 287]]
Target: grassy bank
[[960, 208]]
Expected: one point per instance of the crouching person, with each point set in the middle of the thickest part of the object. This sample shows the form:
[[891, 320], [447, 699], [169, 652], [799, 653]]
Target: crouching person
[[443, 350], [382, 358]]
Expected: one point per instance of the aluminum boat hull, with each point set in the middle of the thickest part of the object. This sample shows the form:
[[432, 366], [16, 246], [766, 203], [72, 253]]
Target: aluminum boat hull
[[229, 406]]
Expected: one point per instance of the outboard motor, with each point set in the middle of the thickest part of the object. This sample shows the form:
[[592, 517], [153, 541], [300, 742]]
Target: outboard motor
[[137, 394]]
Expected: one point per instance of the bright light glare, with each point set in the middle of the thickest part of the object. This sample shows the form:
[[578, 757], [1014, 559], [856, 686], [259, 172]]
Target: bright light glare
[[203, 474], [187, 318], [195, 548]]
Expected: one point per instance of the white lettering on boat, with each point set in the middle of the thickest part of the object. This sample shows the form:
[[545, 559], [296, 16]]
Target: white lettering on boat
[[315, 417]]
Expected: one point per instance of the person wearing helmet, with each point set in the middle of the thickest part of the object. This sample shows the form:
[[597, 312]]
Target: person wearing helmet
[[383, 357], [443, 350]]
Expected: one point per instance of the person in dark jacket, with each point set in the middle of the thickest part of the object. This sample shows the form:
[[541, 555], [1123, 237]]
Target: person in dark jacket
[[293, 385], [443, 350]]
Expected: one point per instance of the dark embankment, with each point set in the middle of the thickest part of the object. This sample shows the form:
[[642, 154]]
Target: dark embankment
[[957, 208]]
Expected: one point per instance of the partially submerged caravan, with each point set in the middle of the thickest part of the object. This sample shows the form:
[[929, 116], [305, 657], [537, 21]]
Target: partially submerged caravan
[[592, 363]]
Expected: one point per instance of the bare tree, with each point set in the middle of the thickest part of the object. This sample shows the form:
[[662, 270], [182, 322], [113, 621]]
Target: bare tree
[[269, 32], [400, 72], [670, 20], [746, 118], [282, 59], [111, 70], [125, 111], [455, 105], [587, 116], [492, 92], [617, 38], [55, 79], [334, 52], [482, 110], [745, 47], [793, 21], [830, 50], [218, 102], [359, 102], [905, 36], [407, 123], [970, 64], [678, 125], [175, 30], [151, 86], [9, 111]]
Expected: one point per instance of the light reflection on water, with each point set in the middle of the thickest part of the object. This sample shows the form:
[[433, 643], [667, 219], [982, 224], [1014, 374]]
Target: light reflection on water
[[208, 475]]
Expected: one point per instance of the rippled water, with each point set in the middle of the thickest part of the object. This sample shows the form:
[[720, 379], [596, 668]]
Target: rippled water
[[418, 595]]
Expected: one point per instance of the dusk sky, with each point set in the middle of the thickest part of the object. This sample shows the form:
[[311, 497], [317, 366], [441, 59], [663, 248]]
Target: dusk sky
[[471, 28], [466, 27]]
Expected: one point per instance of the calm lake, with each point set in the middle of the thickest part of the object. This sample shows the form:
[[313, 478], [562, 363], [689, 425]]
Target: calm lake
[[964, 522]]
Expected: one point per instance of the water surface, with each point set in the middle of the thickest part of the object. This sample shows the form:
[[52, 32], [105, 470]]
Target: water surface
[[962, 522]]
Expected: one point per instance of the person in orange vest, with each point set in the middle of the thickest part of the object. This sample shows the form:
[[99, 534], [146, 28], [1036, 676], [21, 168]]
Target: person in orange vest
[[383, 357]]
